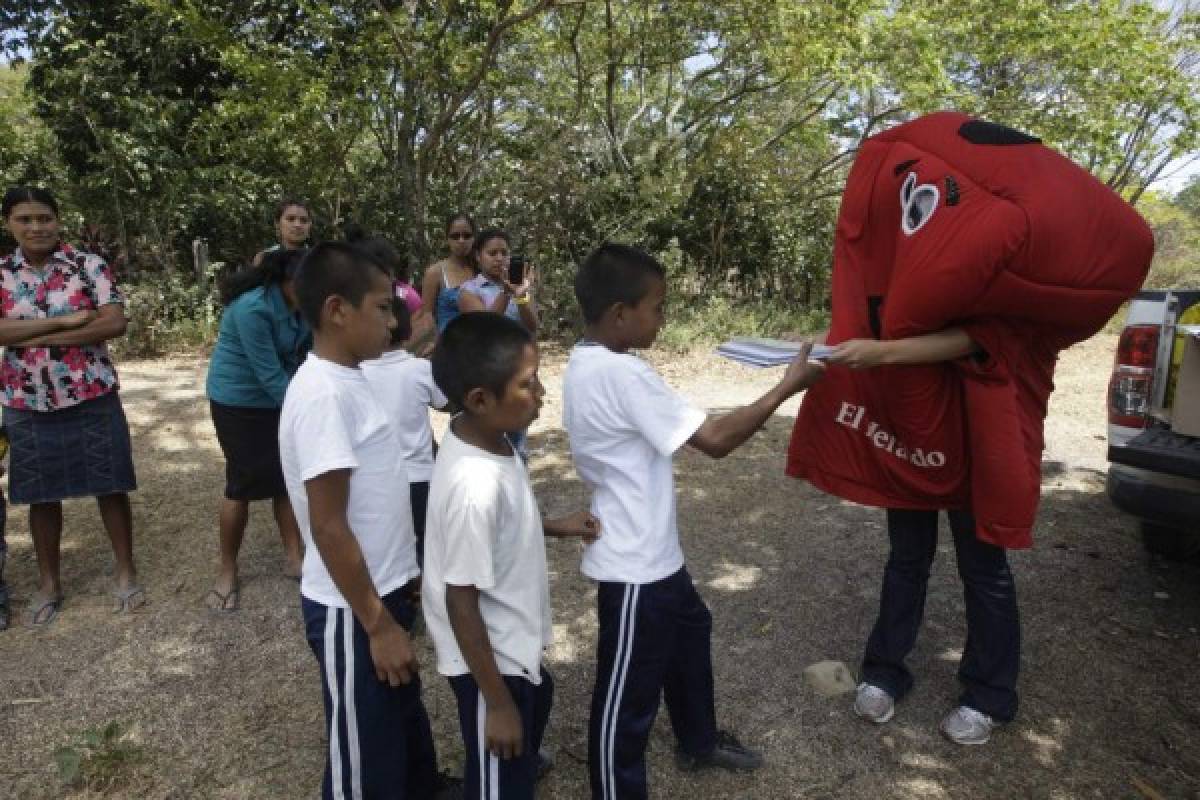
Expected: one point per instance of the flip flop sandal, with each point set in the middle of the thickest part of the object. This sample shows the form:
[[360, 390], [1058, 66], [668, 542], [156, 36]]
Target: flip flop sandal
[[226, 603], [43, 614], [128, 600]]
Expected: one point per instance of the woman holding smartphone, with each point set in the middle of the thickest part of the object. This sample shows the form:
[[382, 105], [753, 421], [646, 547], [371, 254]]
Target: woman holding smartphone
[[504, 284]]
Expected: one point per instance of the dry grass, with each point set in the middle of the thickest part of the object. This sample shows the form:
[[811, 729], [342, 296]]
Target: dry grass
[[229, 707]]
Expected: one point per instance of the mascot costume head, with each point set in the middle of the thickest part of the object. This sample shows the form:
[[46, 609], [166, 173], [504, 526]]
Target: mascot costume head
[[949, 221]]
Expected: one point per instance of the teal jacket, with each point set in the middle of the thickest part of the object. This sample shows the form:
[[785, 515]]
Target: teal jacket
[[260, 345]]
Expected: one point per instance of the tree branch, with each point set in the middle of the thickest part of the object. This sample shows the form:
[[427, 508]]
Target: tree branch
[[495, 35]]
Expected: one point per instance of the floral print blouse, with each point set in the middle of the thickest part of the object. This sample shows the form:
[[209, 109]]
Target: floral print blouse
[[53, 378]]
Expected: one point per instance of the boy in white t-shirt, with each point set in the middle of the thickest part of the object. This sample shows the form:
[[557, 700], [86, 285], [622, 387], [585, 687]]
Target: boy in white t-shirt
[[486, 596], [404, 386], [625, 424], [338, 451]]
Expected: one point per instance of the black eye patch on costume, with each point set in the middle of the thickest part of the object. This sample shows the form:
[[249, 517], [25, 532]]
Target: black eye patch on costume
[[978, 131], [951, 191]]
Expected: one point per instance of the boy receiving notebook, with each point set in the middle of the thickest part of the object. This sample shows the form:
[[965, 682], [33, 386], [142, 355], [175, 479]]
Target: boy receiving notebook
[[625, 424], [338, 452], [485, 590]]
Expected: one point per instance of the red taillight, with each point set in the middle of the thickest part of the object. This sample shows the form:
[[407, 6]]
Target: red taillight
[[1133, 376]]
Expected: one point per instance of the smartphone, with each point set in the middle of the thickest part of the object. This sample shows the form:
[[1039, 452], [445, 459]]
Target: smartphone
[[516, 270]]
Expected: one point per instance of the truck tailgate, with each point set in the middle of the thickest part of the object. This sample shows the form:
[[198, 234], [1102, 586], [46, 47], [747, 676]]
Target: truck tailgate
[[1160, 450]]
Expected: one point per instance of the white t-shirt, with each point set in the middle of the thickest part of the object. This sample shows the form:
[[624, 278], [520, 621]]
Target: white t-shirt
[[625, 424], [484, 529], [331, 420], [404, 386]]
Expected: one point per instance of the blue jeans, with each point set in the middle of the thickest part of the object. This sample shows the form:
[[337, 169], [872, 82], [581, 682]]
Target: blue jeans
[[3, 549], [992, 654]]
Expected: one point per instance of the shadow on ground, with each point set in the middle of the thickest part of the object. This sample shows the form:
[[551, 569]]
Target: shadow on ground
[[228, 707]]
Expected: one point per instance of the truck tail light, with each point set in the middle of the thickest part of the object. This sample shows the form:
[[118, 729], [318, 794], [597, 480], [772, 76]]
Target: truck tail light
[[1133, 376]]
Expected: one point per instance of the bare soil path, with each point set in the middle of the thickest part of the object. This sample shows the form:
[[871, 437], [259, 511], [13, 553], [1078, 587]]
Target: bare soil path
[[229, 707]]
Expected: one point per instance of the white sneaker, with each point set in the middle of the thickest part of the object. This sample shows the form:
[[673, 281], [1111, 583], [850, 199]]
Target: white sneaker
[[874, 704], [965, 725]]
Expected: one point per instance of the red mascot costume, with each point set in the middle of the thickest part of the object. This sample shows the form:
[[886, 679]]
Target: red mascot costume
[[946, 222], [954, 229]]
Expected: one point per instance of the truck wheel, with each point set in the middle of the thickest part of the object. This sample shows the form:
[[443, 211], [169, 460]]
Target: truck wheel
[[1174, 544]]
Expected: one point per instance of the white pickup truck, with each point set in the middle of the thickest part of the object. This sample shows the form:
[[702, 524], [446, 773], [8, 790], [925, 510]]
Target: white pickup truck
[[1154, 472]]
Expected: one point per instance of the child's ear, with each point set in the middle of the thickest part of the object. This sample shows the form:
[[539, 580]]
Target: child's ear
[[334, 309], [617, 313], [478, 401]]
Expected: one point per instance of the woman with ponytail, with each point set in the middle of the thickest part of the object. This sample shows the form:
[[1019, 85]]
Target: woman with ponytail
[[260, 345]]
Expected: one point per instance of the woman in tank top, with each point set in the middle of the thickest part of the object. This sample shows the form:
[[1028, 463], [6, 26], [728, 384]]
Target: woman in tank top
[[440, 285]]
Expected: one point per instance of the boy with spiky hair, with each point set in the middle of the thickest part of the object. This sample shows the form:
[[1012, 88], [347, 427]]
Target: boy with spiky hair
[[338, 451], [625, 424], [486, 591]]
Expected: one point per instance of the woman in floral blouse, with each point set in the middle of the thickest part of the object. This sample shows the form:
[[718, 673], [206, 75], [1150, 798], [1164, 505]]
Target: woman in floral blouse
[[65, 424]]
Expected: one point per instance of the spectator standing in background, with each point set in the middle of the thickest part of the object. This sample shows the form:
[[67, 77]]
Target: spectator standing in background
[[442, 280], [59, 388], [260, 344], [293, 224], [491, 290]]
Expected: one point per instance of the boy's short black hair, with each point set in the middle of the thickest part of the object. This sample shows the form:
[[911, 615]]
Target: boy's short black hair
[[383, 253], [614, 273], [478, 350], [403, 330], [333, 268]]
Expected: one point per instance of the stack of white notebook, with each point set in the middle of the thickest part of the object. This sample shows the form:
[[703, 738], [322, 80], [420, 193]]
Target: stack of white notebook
[[768, 352]]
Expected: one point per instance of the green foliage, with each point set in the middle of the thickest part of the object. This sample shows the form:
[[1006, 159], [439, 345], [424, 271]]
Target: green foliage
[[711, 319], [1113, 84], [1188, 198], [168, 312], [99, 759], [717, 135], [28, 150], [1176, 227]]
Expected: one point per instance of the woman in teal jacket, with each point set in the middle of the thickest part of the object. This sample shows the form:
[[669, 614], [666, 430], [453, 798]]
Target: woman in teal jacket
[[261, 342]]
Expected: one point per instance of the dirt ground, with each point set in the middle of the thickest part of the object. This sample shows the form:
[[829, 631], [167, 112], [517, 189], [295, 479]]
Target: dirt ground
[[229, 707]]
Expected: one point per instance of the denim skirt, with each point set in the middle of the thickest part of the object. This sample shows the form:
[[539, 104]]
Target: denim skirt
[[81, 451]]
